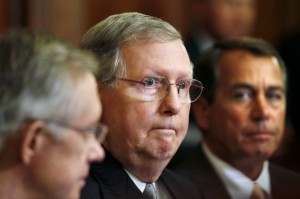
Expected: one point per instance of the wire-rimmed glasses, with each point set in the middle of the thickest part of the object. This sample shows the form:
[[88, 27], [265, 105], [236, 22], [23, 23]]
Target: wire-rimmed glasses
[[156, 88]]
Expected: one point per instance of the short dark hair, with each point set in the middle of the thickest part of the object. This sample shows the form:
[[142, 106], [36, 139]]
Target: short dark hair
[[206, 69]]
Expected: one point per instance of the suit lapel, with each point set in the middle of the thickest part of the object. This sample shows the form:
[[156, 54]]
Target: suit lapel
[[114, 182], [198, 168]]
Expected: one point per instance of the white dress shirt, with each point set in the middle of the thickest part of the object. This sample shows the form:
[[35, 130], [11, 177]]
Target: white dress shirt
[[238, 185]]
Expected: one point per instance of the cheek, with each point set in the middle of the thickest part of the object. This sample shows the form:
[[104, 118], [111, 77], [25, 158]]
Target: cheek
[[129, 122], [279, 121], [54, 175], [183, 118], [228, 116]]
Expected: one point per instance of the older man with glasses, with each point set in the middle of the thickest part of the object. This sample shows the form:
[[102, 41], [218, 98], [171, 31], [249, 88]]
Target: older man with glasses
[[49, 117], [146, 87]]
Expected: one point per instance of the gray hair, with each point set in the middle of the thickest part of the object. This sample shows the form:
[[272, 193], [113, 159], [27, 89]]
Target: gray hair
[[107, 37], [206, 68], [39, 74]]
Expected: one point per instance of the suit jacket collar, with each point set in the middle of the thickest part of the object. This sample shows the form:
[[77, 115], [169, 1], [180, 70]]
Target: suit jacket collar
[[198, 168], [284, 183], [113, 180]]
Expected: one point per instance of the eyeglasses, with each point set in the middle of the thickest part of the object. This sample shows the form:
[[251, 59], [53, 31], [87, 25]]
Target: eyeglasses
[[156, 88], [98, 131]]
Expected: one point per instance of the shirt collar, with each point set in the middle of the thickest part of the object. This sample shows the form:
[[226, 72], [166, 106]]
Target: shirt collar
[[138, 182], [237, 184]]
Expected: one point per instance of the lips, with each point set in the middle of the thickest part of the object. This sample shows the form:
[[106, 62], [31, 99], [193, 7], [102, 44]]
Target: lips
[[164, 130], [260, 134]]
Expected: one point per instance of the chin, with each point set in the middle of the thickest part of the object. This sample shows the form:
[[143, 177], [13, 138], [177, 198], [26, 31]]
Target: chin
[[75, 195], [76, 190], [166, 152], [165, 155]]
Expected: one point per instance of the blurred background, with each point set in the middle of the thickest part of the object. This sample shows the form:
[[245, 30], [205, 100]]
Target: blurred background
[[276, 21], [71, 18]]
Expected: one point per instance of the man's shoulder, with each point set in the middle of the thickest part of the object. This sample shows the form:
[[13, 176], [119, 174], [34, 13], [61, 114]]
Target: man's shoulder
[[284, 183], [180, 186], [194, 165], [283, 175], [108, 179]]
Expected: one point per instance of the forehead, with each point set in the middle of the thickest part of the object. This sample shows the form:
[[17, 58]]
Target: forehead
[[168, 59], [242, 66]]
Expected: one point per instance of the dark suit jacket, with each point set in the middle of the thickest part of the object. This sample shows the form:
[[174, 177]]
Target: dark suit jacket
[[109, 180], [285, 184]]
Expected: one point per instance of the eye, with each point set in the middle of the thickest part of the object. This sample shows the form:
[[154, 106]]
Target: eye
[[242, 94], [275, 96], [152, 82], [183, 85]]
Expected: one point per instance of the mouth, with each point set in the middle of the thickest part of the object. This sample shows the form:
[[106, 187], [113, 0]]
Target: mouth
[[164, 131], [260, 135]]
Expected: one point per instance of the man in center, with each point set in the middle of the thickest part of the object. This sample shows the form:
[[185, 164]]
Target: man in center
[[146, 87]]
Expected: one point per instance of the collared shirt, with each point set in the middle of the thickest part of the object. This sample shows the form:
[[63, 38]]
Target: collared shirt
[[238, 185], [140, 184], [159, 187]]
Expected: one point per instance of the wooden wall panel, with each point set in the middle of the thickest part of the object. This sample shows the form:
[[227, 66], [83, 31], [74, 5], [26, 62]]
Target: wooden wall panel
[[277, 18], [64, 18], [4, 21], [170, 10], [71, 18]]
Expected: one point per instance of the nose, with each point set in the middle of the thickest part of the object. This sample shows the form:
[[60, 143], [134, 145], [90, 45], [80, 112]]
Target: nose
[[171, 103], [96, 151], [261, 108]]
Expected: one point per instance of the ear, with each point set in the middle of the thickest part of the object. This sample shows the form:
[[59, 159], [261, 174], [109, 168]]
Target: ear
[[201, 111], [32, 140]]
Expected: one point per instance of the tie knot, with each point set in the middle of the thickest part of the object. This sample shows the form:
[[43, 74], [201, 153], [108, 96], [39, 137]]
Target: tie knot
[[258, 192], [149, 192]]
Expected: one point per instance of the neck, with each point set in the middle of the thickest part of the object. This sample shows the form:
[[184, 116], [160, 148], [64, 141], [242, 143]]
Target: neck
[[148, 172], [16, 184], [14, 181], [11, 184], [250, 166], [147, 169]]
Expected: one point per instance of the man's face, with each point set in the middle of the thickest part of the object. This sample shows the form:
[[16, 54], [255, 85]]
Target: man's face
[[143, 132], [246, 119], [60, 167], [230, 18]]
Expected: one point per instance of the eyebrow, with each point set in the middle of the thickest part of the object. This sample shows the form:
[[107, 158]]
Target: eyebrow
[[249, 87]]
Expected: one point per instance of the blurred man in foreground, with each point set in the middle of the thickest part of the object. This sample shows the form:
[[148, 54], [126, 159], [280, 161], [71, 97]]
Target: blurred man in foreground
[[49, 114]]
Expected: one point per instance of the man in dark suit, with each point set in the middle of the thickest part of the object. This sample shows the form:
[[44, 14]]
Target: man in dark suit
[[146, 88], [241, 115], [211, 21]]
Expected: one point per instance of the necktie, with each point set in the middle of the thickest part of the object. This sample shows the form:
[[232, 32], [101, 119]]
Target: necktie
[[149, 192], [258, 192]]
